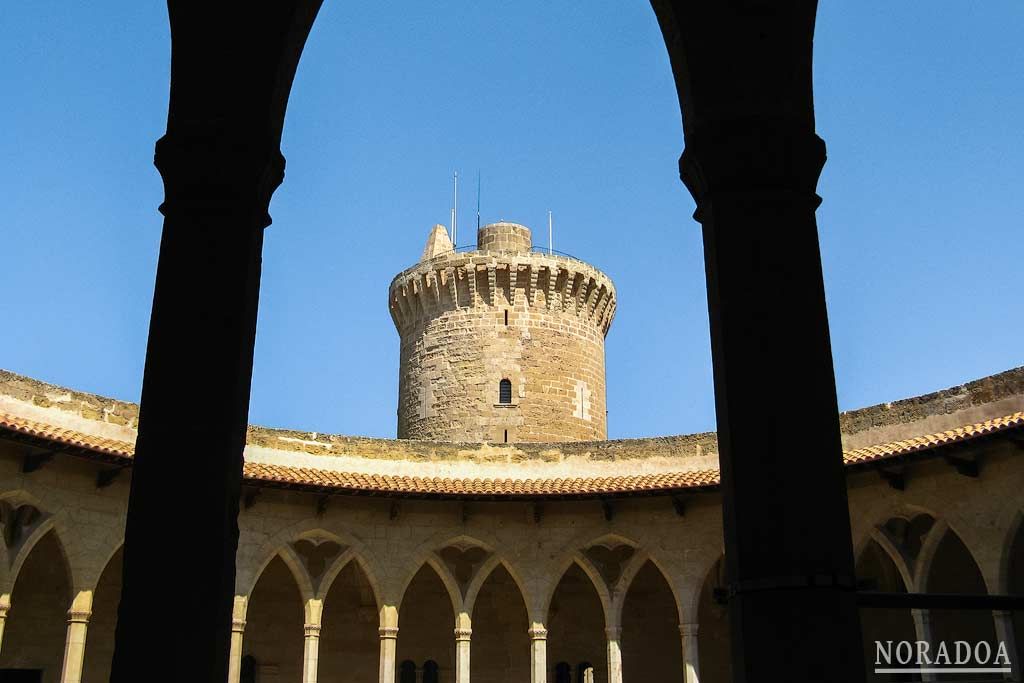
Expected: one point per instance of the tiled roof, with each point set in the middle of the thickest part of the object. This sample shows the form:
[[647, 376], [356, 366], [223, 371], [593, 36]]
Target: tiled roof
[[380, 484], [929, 441]]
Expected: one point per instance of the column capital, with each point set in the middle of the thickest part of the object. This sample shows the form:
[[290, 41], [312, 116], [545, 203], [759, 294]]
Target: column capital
[[238, 625], [613, 632], [537, 633], [210, 167], [463, 634], [79, 616], [752, 160], [388, 632], [311, 630], [689, 629]]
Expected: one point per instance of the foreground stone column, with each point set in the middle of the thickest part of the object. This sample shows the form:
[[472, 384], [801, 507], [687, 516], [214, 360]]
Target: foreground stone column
[[232, 66], [74, 645], [5, 606], [923, 631], [1004, 632], [237, 631], [388, 632], [311, 640], [754, 183], [613, 634], [538, 653], [463, 636], [743, 73], [691, 652]]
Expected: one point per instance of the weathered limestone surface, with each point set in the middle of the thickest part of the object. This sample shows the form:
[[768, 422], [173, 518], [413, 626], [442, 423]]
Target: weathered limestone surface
[[528, 575], [469, 320]]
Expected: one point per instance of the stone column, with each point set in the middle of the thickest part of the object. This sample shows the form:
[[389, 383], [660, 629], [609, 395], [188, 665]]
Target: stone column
[[613, 635], [538, 653], [743, 73], [74, 645], [923, 632], [311, 640], [388, 632], [463, 635], [5, 606], [1004, 632], [691, 652], [237, 631], [220, 162]]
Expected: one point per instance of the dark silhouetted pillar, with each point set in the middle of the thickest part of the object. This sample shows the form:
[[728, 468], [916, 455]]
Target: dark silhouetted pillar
[[752, 160], [231, 71]]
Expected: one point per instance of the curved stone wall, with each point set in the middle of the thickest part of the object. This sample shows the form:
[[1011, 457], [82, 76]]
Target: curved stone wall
[[469, 321]]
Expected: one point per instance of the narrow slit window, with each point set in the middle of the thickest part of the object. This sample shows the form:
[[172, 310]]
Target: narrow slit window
[[505, 391], [506, 317], [506, 436]]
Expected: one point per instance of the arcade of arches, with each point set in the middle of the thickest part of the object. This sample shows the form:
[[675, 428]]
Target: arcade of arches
[[393, 589]]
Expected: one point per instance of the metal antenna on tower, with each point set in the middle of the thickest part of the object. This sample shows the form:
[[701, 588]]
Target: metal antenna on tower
[[478, 201], [455, 213], [550, 235]]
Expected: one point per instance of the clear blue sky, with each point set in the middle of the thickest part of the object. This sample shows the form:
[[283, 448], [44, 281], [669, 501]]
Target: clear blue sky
[[562, 106]]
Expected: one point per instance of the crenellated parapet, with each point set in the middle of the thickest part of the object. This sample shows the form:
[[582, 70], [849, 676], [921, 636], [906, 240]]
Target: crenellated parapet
[[501, 344], [477, 279]]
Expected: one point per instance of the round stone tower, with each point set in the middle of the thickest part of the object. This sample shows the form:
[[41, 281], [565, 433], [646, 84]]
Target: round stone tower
[[501, 344]]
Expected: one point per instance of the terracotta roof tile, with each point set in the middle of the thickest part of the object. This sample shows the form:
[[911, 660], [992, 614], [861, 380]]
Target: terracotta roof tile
[[383, 484]]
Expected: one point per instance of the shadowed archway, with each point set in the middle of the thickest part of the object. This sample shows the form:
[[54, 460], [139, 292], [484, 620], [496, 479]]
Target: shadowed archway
[[99, 651], [501, 647], [651, 644], [37, 619], [273, 624], [953, 570], [875, 566], [348, 640], [426, 624], [576, 625]]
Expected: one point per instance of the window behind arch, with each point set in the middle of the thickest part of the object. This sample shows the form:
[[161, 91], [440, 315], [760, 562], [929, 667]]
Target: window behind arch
[[430, 672], [407, 672], [505, 391]]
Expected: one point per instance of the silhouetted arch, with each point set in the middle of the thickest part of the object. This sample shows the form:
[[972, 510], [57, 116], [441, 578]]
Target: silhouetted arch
[[953, 570], [713, 639], [585, 672], [876, 566], [426, 621], [651, 646], [563, 672], [273, 621], [99, 651], [576, 622], [501, 646], [37, 621], [349, 641]]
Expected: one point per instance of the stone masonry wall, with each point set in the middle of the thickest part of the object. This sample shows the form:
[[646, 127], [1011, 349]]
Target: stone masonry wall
[[468, 321]]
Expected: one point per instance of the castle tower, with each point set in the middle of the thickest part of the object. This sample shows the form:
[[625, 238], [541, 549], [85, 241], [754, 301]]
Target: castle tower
[[501, 344]]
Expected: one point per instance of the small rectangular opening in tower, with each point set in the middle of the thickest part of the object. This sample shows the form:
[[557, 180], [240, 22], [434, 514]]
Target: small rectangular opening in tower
[[506, 436], [506, 317]]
